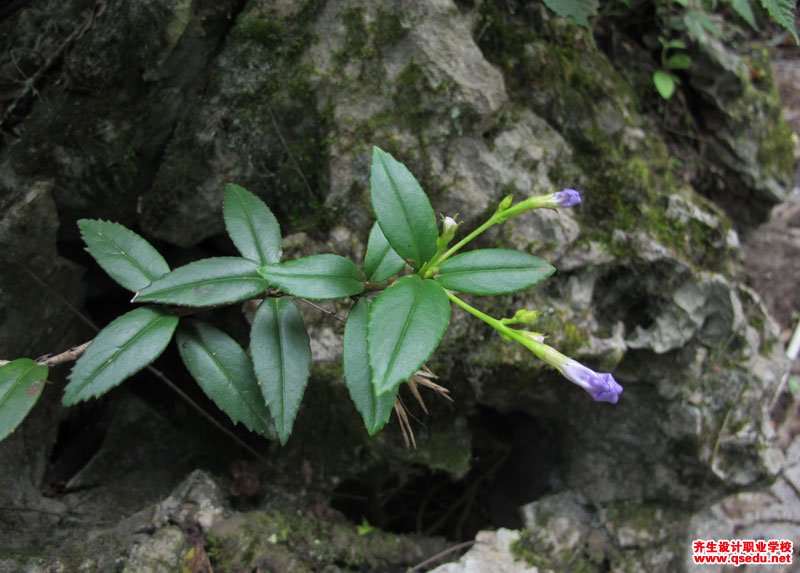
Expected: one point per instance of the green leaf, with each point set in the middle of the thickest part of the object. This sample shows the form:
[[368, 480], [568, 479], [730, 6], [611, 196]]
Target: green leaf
[[251, 226], [679, 62], [745, 11], [697, 23], [493, 271], [402, 208], [406, 324], [224, 372], [665, 83], [782, 11], [124, 255], [672, 44], [281, 355], [21, 383], [381, 261], [579, 11], [318, 277], [208, 282], [119, 351], [374, 409]]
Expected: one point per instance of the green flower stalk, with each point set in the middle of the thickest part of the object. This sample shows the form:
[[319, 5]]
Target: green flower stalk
[[600, 385], [505, 210], [565, 198]]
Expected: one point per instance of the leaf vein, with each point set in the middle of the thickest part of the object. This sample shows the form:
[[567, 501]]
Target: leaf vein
[[406, 219], [120, 349]]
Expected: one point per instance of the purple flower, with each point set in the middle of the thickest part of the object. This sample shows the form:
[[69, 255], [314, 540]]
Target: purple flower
[[568, 198], [600, 386]]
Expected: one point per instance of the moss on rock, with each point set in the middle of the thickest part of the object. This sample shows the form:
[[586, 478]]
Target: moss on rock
[[288, 540], [259, 124]]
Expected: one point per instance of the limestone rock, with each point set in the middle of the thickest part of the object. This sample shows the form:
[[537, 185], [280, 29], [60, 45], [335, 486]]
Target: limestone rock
[[492, 552], [752, 159], [479, 99]]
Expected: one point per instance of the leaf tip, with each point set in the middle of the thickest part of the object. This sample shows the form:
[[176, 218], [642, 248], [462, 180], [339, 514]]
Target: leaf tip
[[377, 152]]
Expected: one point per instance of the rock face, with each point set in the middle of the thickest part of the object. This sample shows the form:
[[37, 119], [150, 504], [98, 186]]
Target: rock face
[[479, 100]]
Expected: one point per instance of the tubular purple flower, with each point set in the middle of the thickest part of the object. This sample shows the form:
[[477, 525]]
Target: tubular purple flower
[[564, 198], [568, 198], [600, 386]]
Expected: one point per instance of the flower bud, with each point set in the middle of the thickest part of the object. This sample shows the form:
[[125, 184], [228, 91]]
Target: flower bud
[[567, 198], [523, 316], [564, 198], [505, 203], [449, 228], [600, 385]]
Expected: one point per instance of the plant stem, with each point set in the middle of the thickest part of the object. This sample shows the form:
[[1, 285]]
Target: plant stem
[[76, 351], [67, 356], [199, 409], [441, 555], [330, 313], [493, 322], [428, 268]]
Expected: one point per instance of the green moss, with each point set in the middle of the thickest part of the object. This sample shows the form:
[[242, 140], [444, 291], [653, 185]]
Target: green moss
[[573, 339], [577, 89], [365, 41], [288, 540], [522, 550], [776, 149], [387, 29], [356, 40], [269, 32], [259, 75], [449, 449], [776, 152], [527, 549], [640, 517], [543, 518], [409, 99]]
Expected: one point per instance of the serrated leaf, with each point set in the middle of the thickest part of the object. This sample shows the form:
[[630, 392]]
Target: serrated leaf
[[127, 258], [381, 260], [698, 23], [374, 409], [281, 355], [679, 62], [251, 226], [402, 208], [664, 83], [224, 371], [782, 11], [208, 282], [745, 12], [579, 11], [120, 350], [493, 271], [405, 325], [318, 277], [21, 383]]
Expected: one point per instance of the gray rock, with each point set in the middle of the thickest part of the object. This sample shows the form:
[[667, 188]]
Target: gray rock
[[768, 513], [197, 500], [491, 552], [162, 552], [751, 157], [480, 100]]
